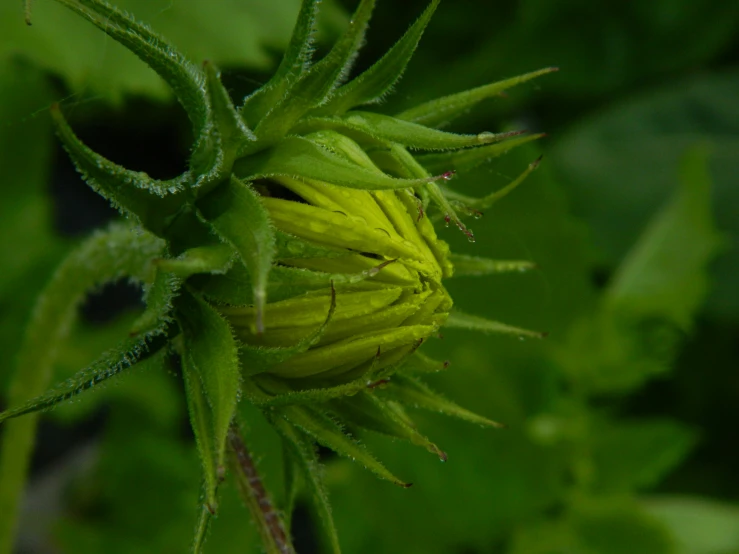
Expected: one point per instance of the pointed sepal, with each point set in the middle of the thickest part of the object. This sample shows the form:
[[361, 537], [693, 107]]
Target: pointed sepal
[[375, 83], [301, 454], [460, 320], [237, 215], [134, 193], [184, 78], [475, 266], [370, 412], [212, 357], [443, 110], [409, 391], [327, 432]]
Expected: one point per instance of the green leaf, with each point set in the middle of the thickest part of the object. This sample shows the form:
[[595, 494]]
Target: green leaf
[[629, 455], [294, 63], [412, 392], [612, 527], [315, 85], [132, 192], [328, 433], [664, 275], [442, 110], [301, 453], [301, 157], [236, 213], [464, 160], [376, 127], [212, 351], [699, 526], [372, 85], [459, 320], [619, 163], [474, 265]]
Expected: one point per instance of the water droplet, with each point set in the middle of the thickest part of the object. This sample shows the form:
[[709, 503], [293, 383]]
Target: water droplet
[[449, 175], [521, 338], [486, 136], [447, 220]]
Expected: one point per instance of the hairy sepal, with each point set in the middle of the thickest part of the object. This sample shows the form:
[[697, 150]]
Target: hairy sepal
[[327, 432], [460, 320], [236, 214], [445, 109], [372, 85]]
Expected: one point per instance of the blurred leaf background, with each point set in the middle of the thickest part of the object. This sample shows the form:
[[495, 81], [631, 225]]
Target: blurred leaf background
[[621, 429]]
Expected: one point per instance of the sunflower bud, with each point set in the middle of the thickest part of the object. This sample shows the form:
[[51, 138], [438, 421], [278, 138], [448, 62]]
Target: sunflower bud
[[294, 265]]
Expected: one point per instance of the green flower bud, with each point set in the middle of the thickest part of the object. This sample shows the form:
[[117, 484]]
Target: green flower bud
[[294, 265]]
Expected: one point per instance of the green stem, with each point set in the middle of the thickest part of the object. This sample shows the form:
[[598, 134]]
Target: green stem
[[103, 257], [275, 538]]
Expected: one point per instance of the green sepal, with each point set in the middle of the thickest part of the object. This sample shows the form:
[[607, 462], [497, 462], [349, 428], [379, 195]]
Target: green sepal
[[330, 434], [301, 454], [127, 354], [294, 63], [212, 352], [368, 411], [185, 79], [476, 266], [154, 203], [412, 392], [223, 139], [459, 320], [237, 215], [315, 85], [372, 85], [381, 128], [300, 157], [464, 160], [201, 423], [258, 359], [214, 258], [158, 297], [487, 201], [443, 110]]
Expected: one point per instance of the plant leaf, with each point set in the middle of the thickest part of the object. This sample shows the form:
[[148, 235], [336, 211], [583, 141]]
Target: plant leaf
[[442, 110], [236, 213], [214, 258], [664, 275]]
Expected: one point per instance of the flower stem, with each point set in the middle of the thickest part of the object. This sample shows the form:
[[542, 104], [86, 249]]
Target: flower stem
[[268, 521]]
